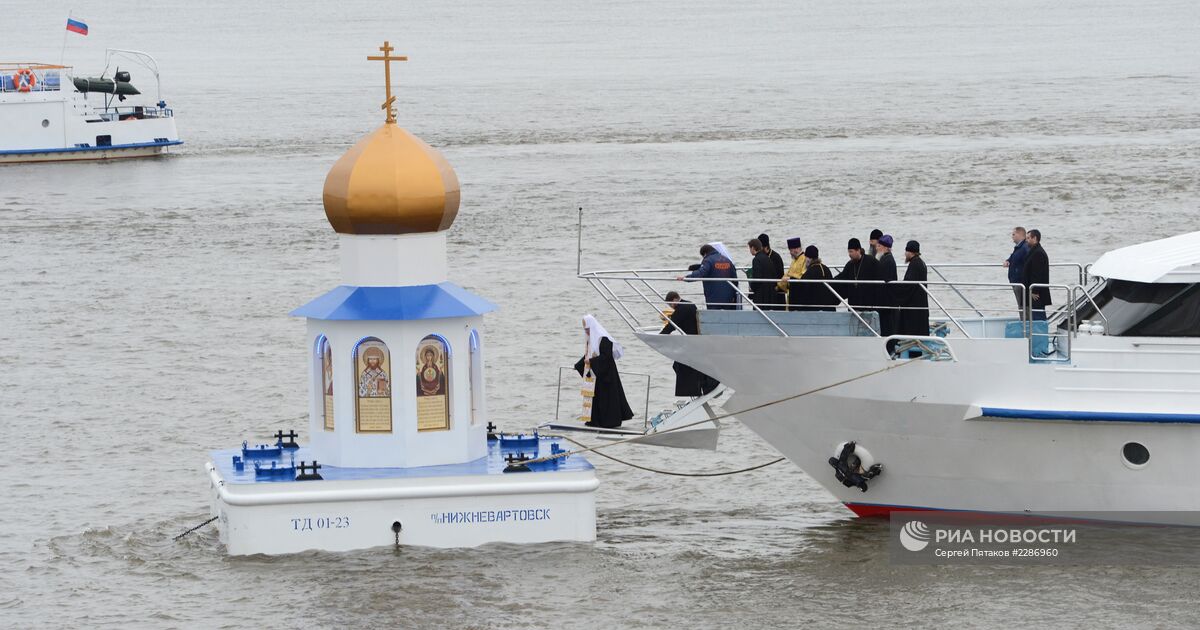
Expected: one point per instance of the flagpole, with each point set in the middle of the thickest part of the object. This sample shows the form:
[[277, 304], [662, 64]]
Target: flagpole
[[63, 55]]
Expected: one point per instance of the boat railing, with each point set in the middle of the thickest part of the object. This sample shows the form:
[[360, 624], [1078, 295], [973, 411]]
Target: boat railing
[[136, 112], [47, 78], [572, 383], [969, 309]]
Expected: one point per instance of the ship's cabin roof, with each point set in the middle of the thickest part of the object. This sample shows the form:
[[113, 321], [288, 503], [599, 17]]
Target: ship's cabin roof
[[1173, 260]]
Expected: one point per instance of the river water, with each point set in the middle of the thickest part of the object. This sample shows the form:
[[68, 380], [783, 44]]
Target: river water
[[144, 312]]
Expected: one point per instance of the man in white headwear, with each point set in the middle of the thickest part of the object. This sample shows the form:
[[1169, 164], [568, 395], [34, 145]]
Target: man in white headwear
[[609, 407]]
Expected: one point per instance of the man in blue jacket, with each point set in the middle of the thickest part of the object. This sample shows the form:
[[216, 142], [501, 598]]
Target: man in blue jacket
[[1016, 265], [717, 295]]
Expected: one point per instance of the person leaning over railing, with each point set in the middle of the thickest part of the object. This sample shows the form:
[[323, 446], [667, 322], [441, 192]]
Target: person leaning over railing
[[688, 380], [717, 295]]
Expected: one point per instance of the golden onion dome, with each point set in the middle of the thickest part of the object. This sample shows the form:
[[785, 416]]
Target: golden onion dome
[[391, 182]]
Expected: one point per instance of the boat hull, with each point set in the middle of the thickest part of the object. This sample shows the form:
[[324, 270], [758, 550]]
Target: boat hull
[[927, 422], [84, 154]]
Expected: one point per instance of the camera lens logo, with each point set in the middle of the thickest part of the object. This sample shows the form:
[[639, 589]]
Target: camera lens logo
[[914, 535]]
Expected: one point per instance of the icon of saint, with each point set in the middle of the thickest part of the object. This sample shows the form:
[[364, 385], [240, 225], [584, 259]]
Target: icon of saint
[[373, 382], [431, 381]]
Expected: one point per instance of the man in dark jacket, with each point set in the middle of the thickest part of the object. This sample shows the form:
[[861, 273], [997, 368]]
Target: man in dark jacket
[[914, 302], [762, 281], [688, 381], [813, 296], [1037, 271], [862, 296], [887, 273], [1016, 265], [777, 271], [718, 295]]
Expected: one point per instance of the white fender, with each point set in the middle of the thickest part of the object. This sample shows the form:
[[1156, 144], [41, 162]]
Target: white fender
[[861, 452]]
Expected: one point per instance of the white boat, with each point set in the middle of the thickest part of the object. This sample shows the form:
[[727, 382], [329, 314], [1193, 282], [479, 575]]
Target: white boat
[[48, 114], [1097, 412]]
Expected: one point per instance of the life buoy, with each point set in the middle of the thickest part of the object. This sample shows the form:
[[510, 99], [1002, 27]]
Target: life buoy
[[25, 79], [853, 465]]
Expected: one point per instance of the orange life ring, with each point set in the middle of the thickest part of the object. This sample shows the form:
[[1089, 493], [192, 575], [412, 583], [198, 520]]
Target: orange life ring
[[25, 79]]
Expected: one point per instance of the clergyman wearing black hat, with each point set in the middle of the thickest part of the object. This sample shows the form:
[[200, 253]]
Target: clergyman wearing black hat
[[777, 269], [863, 296], [813, 295], [912, 299], [887, 273], [873, 245]]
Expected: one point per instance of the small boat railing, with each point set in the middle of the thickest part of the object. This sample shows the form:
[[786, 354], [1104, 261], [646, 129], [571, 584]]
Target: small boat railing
[[625, 376], [646, 289], [126, 112]]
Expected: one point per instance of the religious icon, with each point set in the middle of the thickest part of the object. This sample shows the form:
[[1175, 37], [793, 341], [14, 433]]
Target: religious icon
[[373, 381], [433, 405], [327, 382], [373, 369]]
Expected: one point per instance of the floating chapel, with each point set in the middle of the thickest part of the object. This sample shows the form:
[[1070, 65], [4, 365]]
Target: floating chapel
[[401, 450]]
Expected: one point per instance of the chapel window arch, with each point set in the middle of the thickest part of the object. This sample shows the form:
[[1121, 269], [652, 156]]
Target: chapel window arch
[[476, 378], [373, 381], [433, 384], [323, 385]]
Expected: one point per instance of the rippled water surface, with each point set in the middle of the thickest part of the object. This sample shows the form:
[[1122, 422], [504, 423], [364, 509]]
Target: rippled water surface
[[144, 311]]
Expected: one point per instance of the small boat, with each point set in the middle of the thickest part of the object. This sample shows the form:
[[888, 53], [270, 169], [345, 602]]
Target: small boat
[[47, 115], [680, 426]]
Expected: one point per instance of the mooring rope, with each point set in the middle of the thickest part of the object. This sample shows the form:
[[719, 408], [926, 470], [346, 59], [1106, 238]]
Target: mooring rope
[[673, 472], [195, 528], [597, 447]]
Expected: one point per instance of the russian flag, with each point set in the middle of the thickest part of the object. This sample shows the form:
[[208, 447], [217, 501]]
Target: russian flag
[[75, 26]]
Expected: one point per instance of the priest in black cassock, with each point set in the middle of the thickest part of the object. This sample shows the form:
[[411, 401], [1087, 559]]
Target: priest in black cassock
[[914, 302], [887, 273], [688, 380], [609, 407], [862, 296]]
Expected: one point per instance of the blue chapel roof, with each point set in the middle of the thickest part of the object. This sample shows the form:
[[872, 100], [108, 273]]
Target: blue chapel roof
[[426, 301]]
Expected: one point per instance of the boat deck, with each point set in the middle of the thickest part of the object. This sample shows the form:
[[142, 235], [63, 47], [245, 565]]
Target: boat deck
[[281, 465]]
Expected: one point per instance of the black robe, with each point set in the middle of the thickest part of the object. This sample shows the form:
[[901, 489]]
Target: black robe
[[688, 380], [813, 296], [778, 269], [860, 295], [1037, 271], [914, 318], [887, 316], [762, 292], [609, 407]]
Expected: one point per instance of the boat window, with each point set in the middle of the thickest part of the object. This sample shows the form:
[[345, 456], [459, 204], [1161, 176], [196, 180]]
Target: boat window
[[1142, 309], [1135, 454]]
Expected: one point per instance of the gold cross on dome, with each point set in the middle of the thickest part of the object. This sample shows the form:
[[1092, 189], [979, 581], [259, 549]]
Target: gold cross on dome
[[387, 59]]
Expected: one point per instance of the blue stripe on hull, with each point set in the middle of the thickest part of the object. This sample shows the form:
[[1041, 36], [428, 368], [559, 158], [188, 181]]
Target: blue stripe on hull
[[137, 145], [1091, 416]]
